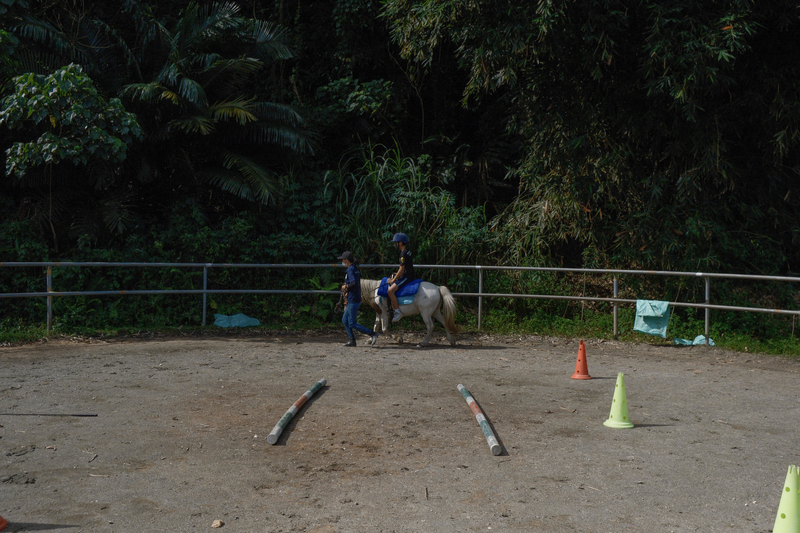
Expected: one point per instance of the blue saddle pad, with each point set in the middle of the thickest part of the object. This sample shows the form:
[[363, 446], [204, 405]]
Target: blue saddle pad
[[409, 289]]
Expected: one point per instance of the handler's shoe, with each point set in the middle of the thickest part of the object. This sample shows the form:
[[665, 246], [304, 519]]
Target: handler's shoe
[[374, 338], [397, 315], [351, 342]]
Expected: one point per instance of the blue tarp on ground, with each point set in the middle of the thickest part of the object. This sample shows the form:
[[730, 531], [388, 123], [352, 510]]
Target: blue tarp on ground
[[700, 339], [652, 317], [235, 321]]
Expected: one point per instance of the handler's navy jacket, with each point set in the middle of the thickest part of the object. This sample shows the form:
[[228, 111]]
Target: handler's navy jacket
[[352, 279]]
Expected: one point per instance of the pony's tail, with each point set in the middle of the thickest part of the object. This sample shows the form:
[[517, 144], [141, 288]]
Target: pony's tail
[[449, 309]]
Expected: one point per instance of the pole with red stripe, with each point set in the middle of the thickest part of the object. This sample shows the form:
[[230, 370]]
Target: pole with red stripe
[[272, 438], [494, 446]]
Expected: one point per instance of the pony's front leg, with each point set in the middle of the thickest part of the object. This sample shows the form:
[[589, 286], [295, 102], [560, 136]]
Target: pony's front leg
[[377, 326]]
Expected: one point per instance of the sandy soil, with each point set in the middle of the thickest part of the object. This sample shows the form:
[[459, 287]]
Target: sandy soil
[[179, 440]]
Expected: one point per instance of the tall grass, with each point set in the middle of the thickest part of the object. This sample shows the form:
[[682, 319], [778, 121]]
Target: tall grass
[[378, 192]]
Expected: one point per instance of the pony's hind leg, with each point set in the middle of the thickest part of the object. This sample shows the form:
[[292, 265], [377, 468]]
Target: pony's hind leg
[[440, 317], [429, 324]]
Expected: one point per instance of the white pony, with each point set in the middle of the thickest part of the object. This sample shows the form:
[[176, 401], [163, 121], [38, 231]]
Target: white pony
[[431, 301]]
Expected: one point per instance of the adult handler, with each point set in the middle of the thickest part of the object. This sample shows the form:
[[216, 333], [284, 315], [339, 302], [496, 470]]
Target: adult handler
[[352, 283], [404, 275]]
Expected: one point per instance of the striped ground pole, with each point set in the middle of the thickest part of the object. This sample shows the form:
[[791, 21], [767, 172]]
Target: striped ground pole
[[487, 431], [272, 438]]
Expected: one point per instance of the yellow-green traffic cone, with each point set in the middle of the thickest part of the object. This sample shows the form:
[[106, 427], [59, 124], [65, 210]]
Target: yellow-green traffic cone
[[788, 519], [618, 418]]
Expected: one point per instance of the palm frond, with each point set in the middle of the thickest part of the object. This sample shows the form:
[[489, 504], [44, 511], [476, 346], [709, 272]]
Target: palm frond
[[116, 211], [205, 60], [235, 66], [218, 17], [227, 180], [38, 62], [270, 41], [33, 177], [172, 96], [55, 208], [272, 112], [146, 92], [169, 73], [205, 24], [238, 110], [157, 36], [100, 173], [194, 124], [150, 30], [85, 224], [113, 36], [244, 177], [145, 172], [225, 10], [186, 31], [42, 32], [194, 93], [102, 45], [227, 76], [260, 133], [279, 124]]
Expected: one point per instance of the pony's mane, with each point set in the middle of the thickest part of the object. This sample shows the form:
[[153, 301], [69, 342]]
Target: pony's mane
[[369, 288], [369, 285]]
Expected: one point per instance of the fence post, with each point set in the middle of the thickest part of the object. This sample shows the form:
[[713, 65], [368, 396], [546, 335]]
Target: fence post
[[480, 298], [616, 315], [708, 302], [205, 288], [49, 299]]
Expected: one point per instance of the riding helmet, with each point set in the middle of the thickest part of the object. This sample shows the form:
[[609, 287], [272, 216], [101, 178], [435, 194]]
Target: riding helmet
[[400, 237]]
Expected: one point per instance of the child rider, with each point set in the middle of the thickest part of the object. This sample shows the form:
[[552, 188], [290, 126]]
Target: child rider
[[404, 274]]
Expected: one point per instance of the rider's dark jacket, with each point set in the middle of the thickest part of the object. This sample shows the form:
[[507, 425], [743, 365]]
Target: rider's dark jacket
[[406, 261]]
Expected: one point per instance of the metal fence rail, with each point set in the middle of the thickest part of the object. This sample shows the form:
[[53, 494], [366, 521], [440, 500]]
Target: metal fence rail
[[480, 295]]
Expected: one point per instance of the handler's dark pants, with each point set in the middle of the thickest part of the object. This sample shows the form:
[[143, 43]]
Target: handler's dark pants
[[349, 321]]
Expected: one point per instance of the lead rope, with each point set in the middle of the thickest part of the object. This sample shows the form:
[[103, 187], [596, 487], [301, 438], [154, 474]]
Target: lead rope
[[342, 299]]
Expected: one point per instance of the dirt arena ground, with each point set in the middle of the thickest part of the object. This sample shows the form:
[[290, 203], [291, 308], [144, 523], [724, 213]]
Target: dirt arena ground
[[389, 445]]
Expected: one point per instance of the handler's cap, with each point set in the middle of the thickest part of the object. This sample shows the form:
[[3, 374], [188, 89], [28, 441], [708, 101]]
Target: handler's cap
[[348, 256]]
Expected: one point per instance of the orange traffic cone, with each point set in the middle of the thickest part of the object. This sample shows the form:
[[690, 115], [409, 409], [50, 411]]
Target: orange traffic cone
[[3, 523], [581, 368]]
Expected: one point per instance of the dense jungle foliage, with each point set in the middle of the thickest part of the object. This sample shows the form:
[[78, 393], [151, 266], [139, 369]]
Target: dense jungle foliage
[[661, 135]]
